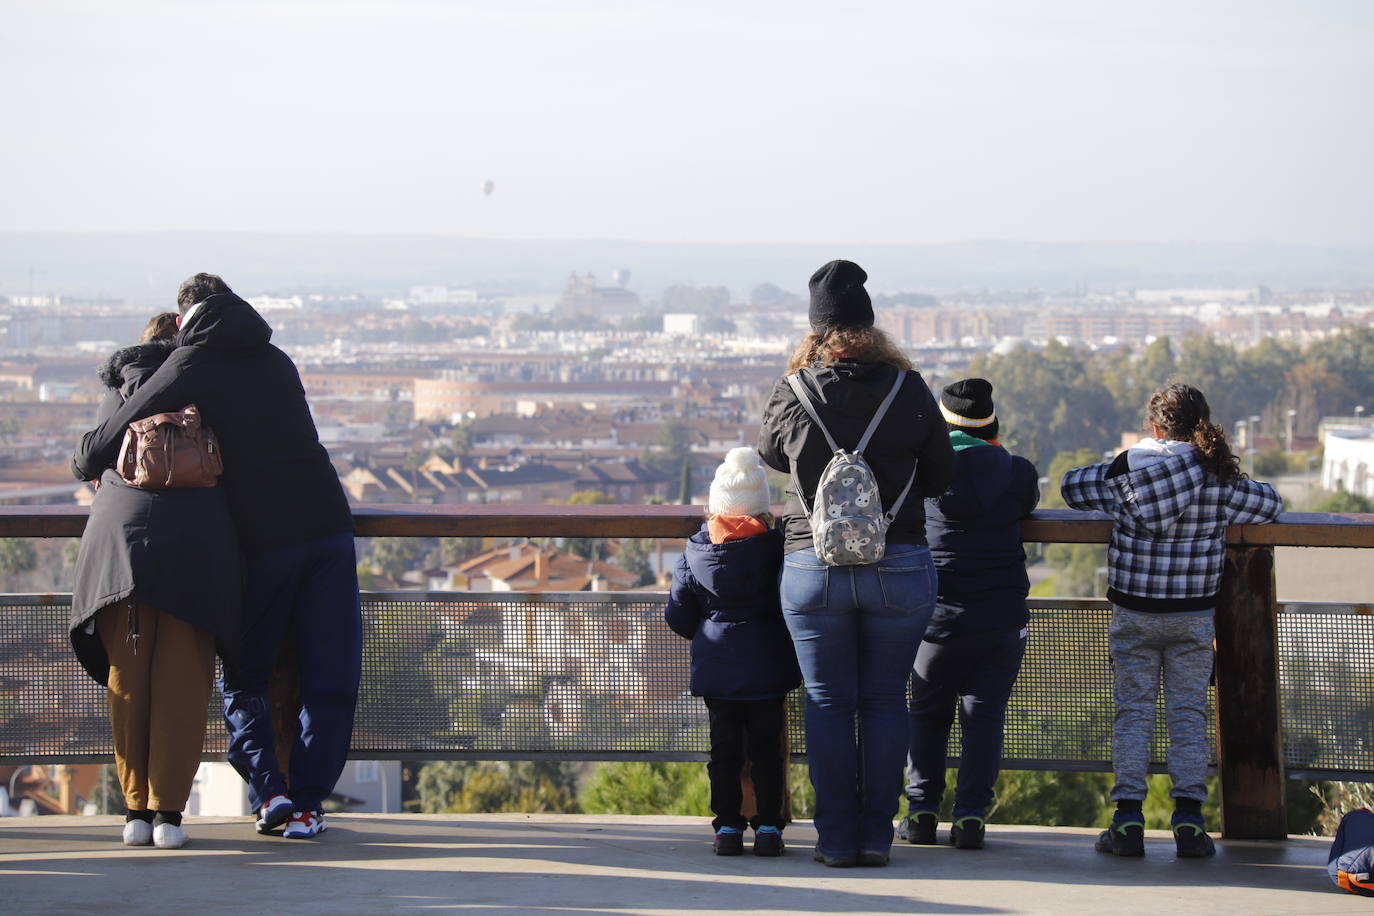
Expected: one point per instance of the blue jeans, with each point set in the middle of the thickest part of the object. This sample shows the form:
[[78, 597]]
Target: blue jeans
[[857, 629], [306, 594]]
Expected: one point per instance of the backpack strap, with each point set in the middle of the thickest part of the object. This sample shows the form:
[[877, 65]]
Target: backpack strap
[[896, 507], [805, 400], [881, 412]]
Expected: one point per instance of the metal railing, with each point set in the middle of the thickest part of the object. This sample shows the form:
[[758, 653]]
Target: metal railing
[[598, 676]]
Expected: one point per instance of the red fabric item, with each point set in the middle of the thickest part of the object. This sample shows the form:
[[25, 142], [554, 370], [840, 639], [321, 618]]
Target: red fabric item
[[724, 528]]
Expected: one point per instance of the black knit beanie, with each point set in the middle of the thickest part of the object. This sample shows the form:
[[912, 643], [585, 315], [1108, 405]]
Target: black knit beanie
[[967, 407], [838, 297]]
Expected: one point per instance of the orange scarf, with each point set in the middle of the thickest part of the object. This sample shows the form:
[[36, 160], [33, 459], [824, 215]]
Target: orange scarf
[[724, 528]]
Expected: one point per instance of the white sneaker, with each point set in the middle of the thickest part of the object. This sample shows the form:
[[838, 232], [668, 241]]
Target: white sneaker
[[138, 833], [273, 814], [304, 825], [169, 836]]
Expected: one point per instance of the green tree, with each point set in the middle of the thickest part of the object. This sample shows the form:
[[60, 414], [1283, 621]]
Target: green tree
[[458, 549], [393, 557], [1214, 369], [670, 453], [1053, 799], [16, 556], [1344, 502], [1076, 566], [489, 786], [460, 438], [767, 295], [588, 548], [634, 557], [400, 644], [647, 787], [1050, 400]]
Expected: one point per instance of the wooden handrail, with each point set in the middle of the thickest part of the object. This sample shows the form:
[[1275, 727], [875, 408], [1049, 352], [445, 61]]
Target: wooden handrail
[[1061, 526]]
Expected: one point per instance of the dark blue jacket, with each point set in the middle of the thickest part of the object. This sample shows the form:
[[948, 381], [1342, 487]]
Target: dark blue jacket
[[725, 600], [975, 539]]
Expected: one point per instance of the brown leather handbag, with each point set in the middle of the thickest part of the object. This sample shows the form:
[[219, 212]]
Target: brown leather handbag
[[170, 450]]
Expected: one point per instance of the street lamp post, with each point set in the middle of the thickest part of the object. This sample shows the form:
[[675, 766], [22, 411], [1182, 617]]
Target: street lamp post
[[1251, 440], [1292, 414]]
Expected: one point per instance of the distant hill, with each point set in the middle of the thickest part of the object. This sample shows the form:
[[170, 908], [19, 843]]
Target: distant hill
[[147, 266]]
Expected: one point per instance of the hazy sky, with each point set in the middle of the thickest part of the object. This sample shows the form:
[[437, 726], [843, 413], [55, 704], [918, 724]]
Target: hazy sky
[[739, 121]]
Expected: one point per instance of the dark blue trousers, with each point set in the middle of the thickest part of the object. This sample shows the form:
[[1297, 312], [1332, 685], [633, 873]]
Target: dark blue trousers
[[307, 595], [975, 671]]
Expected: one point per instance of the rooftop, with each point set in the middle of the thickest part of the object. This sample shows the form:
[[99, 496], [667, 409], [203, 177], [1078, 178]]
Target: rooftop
[[607, 864]]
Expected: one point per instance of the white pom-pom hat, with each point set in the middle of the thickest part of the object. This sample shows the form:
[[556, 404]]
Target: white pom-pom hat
[[741, 485]]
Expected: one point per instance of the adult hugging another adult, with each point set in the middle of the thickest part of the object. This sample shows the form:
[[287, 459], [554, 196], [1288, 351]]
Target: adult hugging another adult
[[295, 530]]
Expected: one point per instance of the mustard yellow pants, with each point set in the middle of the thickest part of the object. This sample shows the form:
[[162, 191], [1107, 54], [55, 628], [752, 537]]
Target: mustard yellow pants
[[158, 692]]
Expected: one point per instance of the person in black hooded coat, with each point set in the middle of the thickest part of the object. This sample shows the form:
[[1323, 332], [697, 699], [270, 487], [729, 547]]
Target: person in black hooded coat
[[296, 533], [156, 591], [972, 650]]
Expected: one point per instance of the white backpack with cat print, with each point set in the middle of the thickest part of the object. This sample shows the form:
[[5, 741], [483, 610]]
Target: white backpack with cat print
[[848, 524]]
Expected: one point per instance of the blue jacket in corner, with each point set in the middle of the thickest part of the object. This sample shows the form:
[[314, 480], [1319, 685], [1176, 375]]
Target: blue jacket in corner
[[974, 530], [724, 598]]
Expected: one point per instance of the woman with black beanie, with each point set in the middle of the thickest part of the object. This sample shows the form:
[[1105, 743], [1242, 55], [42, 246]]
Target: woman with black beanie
[[856, 627]]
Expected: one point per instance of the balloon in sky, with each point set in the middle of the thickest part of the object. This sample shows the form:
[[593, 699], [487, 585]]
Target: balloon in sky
[[621, 276], [488, 186]]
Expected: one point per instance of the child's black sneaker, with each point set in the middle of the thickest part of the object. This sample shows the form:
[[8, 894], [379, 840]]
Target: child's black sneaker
[[729, 841], [967, 832], [1125, 837], [1190, 837], [918, 827], [767, 841]]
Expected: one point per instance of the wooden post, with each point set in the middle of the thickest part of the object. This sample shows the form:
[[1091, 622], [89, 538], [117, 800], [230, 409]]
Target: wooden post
[[1249, 733]]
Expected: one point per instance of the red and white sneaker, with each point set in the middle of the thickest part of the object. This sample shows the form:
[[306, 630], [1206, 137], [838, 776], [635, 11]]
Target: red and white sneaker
[[273, 814], [304, 824]]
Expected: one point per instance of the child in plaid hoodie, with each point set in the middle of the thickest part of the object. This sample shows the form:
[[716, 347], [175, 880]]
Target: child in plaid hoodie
[[1172, 497]]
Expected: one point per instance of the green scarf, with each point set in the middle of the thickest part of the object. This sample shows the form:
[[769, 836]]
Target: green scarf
[[962, 440]]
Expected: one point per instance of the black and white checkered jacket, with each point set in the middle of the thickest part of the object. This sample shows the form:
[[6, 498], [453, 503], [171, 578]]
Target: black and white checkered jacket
[[1169, 541]]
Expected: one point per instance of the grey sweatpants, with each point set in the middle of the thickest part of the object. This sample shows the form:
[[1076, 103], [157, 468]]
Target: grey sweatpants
[[1143, 646]]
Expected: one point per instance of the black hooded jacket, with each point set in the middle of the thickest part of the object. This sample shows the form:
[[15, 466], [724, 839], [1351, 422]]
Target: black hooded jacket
[[176, 548], [281, 486], [847, 395]]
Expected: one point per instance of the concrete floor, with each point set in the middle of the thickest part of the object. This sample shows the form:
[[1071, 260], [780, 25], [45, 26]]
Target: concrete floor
[[611, 865]]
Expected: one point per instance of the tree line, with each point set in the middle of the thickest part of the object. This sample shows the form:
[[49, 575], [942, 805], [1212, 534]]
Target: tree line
[[1063, 398]]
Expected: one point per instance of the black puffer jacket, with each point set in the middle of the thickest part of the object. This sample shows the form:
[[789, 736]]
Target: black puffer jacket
[[847, 395], [177, 548], [282, 489]]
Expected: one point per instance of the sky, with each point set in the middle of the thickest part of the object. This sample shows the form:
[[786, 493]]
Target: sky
[[703, 121]]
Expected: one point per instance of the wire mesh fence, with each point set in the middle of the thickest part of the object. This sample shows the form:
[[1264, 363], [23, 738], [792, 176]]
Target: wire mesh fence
[[597, 675]]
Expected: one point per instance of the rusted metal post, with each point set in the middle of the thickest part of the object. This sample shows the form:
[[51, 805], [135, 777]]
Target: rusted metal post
[[1249, 731]]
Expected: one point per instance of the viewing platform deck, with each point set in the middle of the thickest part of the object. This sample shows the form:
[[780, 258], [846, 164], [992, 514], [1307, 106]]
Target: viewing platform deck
[[621, 865]]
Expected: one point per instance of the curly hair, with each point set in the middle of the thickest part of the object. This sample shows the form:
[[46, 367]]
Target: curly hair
[[162, 326], [1181, 413], [825, 348]]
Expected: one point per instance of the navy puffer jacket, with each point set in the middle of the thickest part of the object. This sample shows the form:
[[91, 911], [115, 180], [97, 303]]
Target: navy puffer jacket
[[974, 529], [724, 599]]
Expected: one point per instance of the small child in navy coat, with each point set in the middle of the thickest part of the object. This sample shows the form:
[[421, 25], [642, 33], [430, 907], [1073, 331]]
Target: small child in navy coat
[[972, 649], [724, 598]]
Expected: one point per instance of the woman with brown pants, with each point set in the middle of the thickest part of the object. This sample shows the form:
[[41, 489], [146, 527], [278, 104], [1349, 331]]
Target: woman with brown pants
[[157, 587]]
